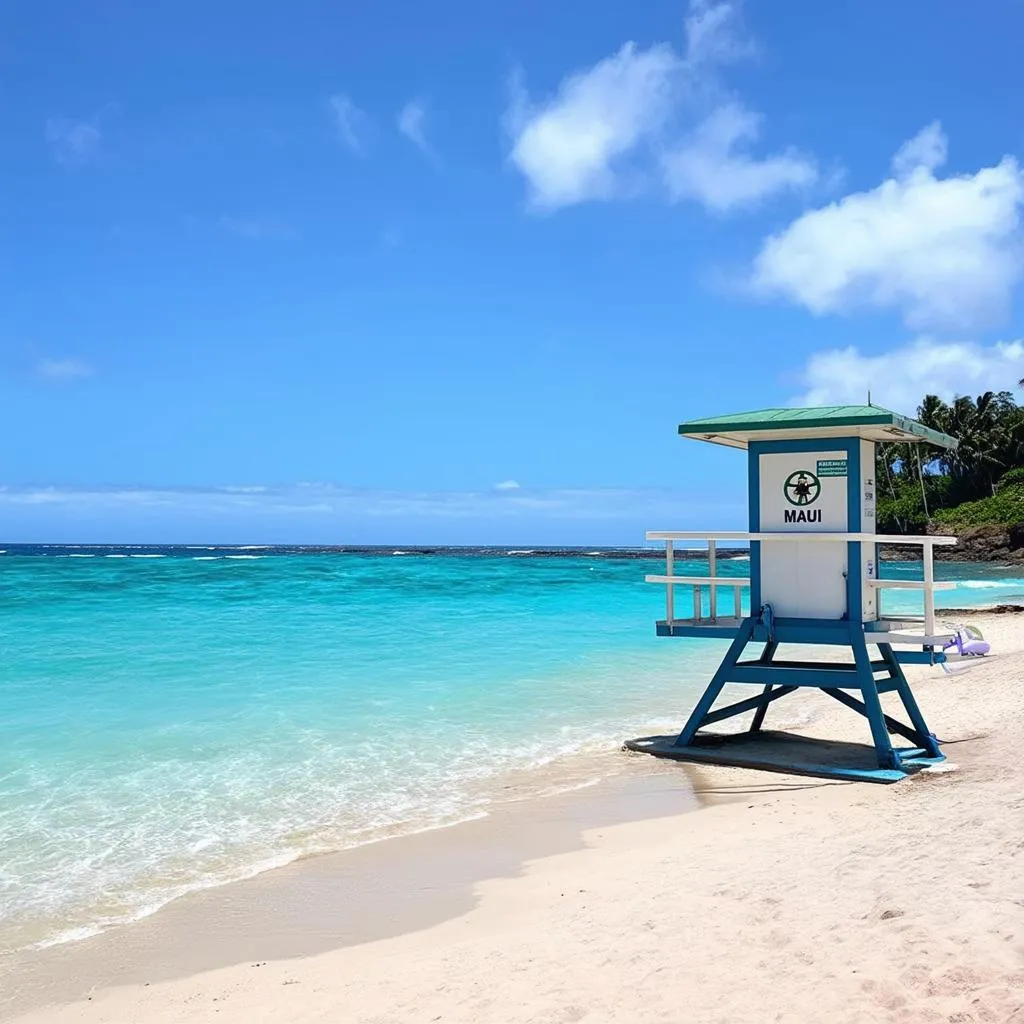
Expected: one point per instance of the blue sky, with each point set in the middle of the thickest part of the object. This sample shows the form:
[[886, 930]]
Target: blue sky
[[334, 273]]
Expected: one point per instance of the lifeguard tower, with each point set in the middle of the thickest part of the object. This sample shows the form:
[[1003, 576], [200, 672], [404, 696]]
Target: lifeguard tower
[[813, 581]]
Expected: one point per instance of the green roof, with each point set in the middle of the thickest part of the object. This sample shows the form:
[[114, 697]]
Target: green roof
[[870, 422]]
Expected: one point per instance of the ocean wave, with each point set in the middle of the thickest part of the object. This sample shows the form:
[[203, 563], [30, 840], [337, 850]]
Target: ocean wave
[[482, 777], [245, 557], [94, 928], [243, 872], [1015, 585], [462, 807]]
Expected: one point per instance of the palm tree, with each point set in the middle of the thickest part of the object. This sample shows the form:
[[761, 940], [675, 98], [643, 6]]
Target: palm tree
[[978, 426], [933, 412], [989, 430]]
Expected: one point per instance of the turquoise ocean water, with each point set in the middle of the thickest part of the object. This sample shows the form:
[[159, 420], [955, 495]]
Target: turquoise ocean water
[[176, 718]]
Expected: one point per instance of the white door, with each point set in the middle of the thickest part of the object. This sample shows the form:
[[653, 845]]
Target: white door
[[804, 493]]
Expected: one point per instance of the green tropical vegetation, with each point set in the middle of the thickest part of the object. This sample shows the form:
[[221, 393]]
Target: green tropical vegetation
[[980, 481]]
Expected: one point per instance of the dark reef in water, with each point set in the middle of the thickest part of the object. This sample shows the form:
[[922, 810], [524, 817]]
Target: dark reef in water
[[192, 550]]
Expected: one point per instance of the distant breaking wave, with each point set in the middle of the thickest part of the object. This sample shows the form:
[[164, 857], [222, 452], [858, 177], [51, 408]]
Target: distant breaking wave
[[1007, 584]]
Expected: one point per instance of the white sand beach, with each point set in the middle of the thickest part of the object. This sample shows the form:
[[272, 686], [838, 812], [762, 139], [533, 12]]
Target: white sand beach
[[786, 899]]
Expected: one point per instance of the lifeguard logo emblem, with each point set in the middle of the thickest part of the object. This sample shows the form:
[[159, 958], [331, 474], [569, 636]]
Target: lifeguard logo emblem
[[801, 489]]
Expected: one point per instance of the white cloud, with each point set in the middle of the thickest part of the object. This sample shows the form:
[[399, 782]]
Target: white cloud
[[944, 253], [927, 149], [712, 35], [327, 501], [63, 369], [614, 128], [567, 148], [507, 485], [323, 513], [898, 379], [73, 142], [711, 167], [411, 123], [352, 123]]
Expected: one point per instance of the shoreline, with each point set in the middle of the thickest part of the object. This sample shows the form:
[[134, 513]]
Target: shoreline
[[304, 912], [561, 776], [333, 900]]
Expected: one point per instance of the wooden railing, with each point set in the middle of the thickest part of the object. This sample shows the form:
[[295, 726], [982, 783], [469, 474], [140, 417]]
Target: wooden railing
[[714, 582]]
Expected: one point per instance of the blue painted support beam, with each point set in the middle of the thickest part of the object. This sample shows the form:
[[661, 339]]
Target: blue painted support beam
[[696, 719], [876, 666], [832, 666], [767, 655], [761, 701], [928, 741], [809, 674], [798, 631], [917, 657], [793, 631], [887, 756], [778, 678], [890, 723]]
